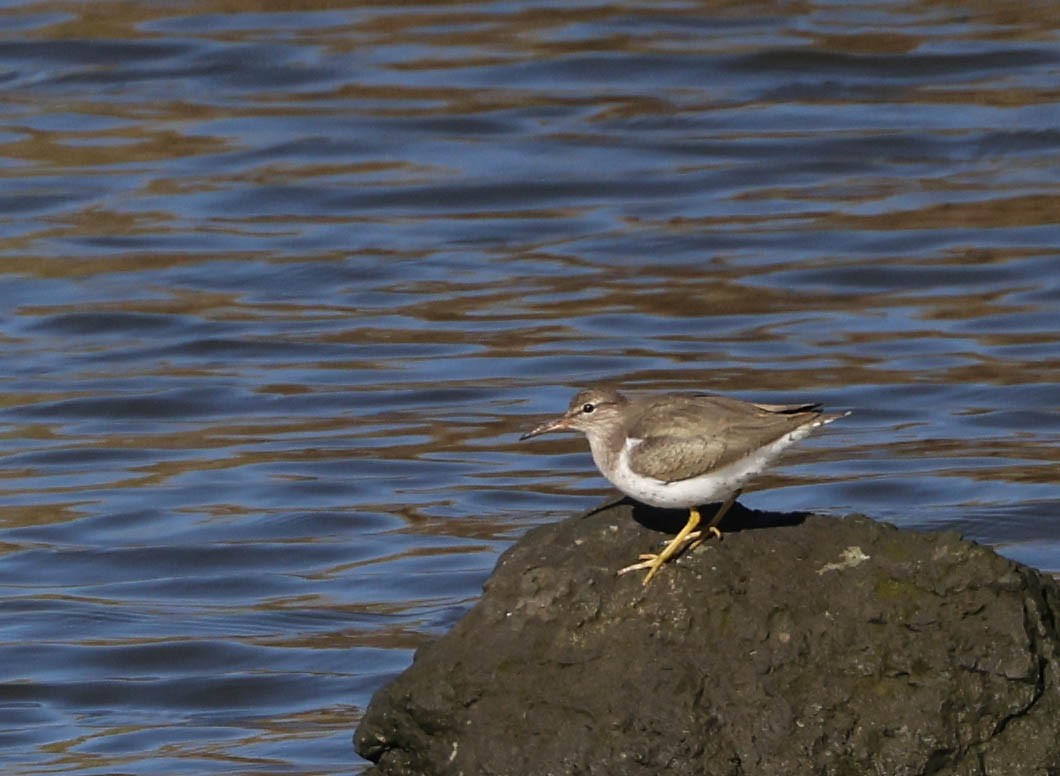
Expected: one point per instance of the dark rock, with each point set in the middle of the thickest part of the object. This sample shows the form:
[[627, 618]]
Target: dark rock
[[812, 645]]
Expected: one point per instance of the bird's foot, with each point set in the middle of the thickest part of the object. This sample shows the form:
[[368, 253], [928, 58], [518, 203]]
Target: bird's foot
[[653, 561], [697, 537]]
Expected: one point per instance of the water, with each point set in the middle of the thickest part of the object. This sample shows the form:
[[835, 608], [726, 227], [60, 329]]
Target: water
[[280, 286]]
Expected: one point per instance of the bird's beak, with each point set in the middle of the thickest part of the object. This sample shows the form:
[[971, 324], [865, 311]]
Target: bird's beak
[[559, 424]]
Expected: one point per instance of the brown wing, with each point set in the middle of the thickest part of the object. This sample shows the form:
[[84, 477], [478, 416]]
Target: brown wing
[[677, 458], [692, 435]]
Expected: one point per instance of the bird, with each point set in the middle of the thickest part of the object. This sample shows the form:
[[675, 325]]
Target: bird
[[683, 450]]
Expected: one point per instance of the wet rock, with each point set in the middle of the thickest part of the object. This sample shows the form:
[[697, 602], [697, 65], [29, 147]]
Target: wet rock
[[798, 645]]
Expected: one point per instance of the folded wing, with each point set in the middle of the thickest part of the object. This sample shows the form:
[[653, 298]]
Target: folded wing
[[703, 432]]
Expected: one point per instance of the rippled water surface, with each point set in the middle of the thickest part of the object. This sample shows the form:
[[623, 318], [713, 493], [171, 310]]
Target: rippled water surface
[[280, 283]]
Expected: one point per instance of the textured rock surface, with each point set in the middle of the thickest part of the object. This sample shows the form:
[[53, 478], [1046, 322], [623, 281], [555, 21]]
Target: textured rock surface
[[796, 646]]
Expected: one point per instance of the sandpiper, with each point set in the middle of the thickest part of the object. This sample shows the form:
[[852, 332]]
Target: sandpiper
[[683, 450]]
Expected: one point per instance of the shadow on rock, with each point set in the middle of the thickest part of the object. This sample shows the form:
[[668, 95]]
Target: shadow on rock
[[739, 518]]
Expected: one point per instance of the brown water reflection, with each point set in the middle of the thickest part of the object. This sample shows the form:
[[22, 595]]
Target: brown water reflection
[[282, 285]]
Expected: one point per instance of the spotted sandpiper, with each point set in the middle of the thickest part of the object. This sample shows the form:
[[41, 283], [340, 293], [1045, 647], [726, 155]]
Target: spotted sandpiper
[[683, 450]]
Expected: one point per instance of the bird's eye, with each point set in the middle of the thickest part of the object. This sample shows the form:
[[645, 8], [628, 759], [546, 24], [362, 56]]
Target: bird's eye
[[588, 407]]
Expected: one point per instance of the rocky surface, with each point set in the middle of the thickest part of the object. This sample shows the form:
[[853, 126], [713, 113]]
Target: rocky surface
[[798, 645]]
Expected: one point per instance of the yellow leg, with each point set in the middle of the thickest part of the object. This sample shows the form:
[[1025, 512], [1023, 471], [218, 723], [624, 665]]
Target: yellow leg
[[654, 562], [675, 544], [712, 526], [687, 536]]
